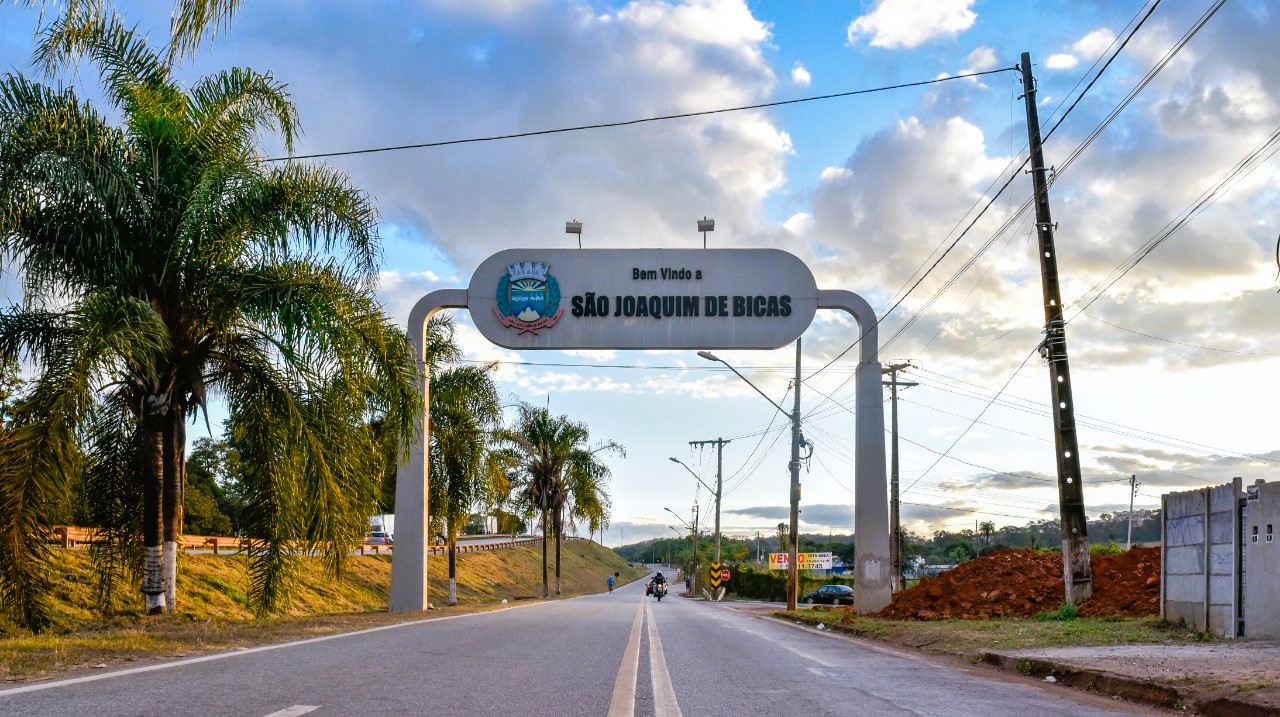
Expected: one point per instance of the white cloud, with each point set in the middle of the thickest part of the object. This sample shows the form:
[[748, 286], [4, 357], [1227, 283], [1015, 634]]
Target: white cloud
[[799, 223], [1061, 61], [800, 77], [629, 187], [904, 24], [833, 173], [1092, 45], [980, 60]]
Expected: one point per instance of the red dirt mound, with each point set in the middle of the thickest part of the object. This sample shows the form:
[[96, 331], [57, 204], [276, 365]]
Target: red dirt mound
[[1023, 583]]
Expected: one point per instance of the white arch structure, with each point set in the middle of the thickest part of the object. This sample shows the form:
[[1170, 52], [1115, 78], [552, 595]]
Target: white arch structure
[[872, 585]]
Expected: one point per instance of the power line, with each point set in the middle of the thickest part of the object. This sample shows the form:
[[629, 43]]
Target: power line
[[989, 204], [640, 367], [1243, 168], [1171, 341], [1028, 406], [644, 120], [975, 419]]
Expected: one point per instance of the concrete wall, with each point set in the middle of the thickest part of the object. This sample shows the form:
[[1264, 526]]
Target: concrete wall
[[1200, 559], [1261, 524]]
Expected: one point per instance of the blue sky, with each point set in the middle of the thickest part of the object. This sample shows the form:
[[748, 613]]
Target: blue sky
[[863, 188]]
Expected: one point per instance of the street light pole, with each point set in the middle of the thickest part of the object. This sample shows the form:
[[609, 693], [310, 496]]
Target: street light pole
[[793, 569]]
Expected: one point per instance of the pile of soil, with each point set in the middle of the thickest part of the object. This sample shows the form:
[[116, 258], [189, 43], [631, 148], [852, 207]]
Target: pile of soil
[[1125, 584], [1024, 583]]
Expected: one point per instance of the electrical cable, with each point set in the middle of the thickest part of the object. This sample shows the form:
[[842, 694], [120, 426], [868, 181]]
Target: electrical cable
[[1171, 341], [990, 202], [980, 415], [643, 120]]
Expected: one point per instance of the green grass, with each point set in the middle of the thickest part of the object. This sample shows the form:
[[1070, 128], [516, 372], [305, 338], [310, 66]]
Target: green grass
[[965, 637], [214, 614]]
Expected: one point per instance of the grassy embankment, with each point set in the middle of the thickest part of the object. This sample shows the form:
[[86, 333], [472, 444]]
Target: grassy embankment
[[968, 637], [214, 606]]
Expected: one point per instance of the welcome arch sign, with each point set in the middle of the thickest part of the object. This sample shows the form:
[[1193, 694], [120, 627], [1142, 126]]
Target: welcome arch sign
[[620, 299]]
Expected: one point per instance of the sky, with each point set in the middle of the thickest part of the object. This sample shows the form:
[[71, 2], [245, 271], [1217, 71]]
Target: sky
[[1174, 361]]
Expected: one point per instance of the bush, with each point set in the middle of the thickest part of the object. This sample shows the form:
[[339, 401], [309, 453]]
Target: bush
[[1066, 612], [1109, 549], [771, 585]]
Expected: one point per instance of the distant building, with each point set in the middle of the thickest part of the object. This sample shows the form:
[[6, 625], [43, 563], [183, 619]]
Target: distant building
[[1140, 515]]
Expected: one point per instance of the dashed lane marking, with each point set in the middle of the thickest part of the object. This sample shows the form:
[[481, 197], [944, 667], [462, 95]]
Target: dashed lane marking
[[294, 711]]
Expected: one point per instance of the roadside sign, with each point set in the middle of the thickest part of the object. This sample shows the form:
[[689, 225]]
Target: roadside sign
[[724, 575], [714, 573], [642, 298], [805, 561]]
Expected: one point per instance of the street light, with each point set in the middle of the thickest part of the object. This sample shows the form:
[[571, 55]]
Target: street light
[[706, 225], [574, 227], [793, 569], [693, 541]]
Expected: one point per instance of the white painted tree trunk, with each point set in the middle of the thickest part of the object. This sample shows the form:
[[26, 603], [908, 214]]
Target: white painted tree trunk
[[171, 576], [153, 579]]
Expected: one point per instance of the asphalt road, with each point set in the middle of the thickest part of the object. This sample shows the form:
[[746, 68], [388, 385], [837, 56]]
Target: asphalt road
[[618, 654]]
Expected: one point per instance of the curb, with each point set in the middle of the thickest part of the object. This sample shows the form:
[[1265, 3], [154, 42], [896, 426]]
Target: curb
[[1124, 687], [1097, 681]]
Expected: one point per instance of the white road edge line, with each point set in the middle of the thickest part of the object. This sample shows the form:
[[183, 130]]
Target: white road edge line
[[623, 703], [295, 711], [261, 648], [664, 695]]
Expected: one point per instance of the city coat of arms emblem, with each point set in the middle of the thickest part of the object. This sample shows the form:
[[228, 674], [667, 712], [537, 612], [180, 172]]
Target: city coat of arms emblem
[[528, 298]]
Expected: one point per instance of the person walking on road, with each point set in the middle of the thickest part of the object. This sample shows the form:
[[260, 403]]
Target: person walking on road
[[610, 583]]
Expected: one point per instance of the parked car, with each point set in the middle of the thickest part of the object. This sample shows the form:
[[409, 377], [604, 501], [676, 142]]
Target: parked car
[[829, 595], [378, 537]]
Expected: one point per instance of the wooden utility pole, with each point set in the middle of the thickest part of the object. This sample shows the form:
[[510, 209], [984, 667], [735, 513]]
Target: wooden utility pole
[[895, 530], [1077, 575], [719, 443]]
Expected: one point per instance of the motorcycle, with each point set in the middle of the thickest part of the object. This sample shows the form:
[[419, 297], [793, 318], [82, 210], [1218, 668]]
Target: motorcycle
[[659, 590]]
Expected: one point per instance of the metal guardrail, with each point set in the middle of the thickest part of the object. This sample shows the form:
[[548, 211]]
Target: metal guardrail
[[70, 536]]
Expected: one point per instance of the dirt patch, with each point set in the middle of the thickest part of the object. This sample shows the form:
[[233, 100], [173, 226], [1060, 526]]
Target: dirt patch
[[1025, 583]]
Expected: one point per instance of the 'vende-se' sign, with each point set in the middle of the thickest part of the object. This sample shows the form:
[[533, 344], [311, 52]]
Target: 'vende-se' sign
[[642, 298]]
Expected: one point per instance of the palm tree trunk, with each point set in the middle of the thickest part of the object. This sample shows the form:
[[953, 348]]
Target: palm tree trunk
[[174, 483], [545, 593], [453, 566], [152, 477], [559, 524]]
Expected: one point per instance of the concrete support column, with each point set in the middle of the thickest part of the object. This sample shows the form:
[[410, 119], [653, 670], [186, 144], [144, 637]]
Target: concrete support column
[[873, 587], [409, 556]]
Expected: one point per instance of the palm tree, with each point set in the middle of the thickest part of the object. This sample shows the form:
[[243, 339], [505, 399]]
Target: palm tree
[[465, 409], [165, 262], [986, 528], [192, 19], [556, 468]]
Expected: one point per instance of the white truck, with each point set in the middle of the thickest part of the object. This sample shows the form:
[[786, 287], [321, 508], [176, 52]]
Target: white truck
[[383, 524]]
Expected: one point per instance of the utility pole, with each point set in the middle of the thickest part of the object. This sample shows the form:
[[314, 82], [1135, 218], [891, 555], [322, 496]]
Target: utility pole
[[895, 530], [1077, 574], [719, 443], [694, 557], [759, 557], [1133, 490], [793, 567]]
